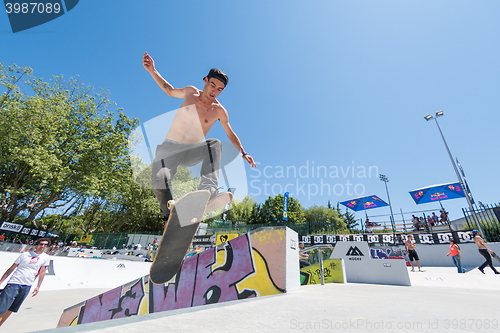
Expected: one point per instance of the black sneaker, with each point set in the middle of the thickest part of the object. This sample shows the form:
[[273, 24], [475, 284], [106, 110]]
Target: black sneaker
[[481, 270]]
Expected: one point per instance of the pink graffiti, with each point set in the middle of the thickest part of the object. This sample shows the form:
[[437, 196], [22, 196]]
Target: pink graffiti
[[112, 304], [198, 283]]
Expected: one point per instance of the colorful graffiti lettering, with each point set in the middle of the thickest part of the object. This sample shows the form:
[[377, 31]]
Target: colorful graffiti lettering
[[386, 253], [332, 272], [231, 271]]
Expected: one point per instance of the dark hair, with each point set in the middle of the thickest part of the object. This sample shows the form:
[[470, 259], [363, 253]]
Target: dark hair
[[218, 74], [39, 240]]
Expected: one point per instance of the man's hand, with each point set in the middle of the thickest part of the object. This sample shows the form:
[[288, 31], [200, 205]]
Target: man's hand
[[250, 161], [35, 291], [148, 62]]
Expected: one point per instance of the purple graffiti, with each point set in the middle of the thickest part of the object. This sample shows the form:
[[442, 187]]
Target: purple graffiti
[[380, 253], [97, 308], [198, 283], [201, 280], [112, 304]]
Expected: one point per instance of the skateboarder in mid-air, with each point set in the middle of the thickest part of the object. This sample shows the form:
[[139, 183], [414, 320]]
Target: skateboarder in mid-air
[[185, 143]]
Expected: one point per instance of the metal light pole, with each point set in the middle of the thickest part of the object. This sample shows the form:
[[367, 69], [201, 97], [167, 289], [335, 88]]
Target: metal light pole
[[439, 114], [386, 180]]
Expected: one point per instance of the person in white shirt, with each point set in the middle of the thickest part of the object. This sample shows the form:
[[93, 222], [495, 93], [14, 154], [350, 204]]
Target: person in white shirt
[[26, 268]]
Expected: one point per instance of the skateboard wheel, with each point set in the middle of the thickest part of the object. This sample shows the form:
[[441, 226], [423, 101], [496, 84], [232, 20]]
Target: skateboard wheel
[[170, 204]]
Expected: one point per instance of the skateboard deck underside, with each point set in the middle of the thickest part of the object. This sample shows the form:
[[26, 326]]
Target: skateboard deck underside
[[180, 229]]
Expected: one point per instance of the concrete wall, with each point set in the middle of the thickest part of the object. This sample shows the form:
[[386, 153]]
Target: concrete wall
[[263, 262], [361, 268]]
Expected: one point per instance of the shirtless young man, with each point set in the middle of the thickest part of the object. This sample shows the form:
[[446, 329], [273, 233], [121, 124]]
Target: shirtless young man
[[185, 143], [483, 249], [412, 253]]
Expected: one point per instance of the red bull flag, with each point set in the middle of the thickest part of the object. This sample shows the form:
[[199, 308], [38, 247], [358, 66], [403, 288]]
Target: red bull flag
[[437, 193], [363, 203]]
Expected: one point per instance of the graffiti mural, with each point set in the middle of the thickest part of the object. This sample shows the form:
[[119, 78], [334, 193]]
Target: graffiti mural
[[332, 271], [251, 265], [387, 252]]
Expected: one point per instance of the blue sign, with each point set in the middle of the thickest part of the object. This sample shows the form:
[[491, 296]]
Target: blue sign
[[285, 207]]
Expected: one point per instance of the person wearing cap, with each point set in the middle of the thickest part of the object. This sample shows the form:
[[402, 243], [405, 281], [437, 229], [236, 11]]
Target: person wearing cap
[[483, 250], [185, 143]]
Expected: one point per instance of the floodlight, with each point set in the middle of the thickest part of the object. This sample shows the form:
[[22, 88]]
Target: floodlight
[[439, 113], [428, 117]]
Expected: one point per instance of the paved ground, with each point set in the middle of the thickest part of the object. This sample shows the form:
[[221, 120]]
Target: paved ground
[[440, 300]]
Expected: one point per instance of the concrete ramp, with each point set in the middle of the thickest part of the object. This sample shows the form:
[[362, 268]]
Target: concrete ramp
[[260, 263], [361, 268]]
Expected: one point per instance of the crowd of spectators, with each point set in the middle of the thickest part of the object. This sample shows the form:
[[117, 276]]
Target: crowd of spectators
[[432, 220]]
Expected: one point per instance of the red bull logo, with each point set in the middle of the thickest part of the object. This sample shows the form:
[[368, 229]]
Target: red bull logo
[[438, 196], [419, 194], [369, 204], [351, 204]]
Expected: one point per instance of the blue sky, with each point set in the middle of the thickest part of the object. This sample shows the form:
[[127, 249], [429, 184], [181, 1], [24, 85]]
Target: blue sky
[[332, 84]]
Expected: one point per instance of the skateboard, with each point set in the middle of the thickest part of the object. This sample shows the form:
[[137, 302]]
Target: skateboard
[[494, 255], [220, 200], [183, 221]]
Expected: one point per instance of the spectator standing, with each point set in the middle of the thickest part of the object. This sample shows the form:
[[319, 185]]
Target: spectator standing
[[455, 255], [412, 253], [26, 268]]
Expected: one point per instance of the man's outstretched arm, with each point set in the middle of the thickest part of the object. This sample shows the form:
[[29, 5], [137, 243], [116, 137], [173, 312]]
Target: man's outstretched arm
[[149, 65], [224, 120]]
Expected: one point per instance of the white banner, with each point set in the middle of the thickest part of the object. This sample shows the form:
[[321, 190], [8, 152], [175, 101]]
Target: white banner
[[11, 227]]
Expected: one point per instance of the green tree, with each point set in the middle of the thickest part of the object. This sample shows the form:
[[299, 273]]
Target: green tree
[[241, 210], [271, 211], [59, 143], [331, 219], [349, 219]]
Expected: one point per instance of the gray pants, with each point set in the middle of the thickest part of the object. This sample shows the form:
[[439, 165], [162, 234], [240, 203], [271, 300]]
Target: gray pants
[[171, 154]]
